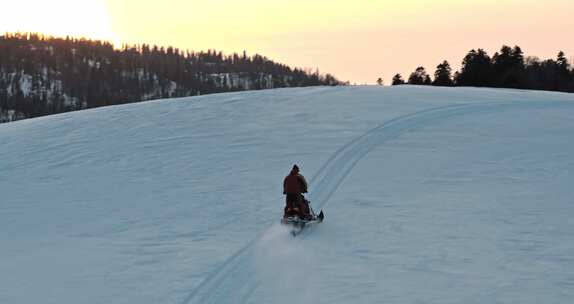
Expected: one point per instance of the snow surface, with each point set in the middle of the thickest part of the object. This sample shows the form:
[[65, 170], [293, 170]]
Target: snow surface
[[431, 195]]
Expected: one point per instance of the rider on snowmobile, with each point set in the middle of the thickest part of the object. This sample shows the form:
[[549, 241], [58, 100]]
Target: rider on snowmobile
[[294, 185]]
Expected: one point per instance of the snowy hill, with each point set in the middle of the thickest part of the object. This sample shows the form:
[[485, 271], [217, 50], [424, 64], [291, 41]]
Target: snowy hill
[[431, 195]]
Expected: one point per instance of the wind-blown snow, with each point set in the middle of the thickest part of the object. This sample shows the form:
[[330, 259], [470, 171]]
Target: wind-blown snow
[[431, 195]]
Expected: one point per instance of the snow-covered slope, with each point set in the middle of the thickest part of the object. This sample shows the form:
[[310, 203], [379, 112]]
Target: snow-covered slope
[[431, 195]]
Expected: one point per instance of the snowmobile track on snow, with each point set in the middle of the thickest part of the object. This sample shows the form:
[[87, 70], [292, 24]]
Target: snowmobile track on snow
[[221, 283]]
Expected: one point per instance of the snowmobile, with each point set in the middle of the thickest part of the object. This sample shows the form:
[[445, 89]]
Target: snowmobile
[[298, 221]]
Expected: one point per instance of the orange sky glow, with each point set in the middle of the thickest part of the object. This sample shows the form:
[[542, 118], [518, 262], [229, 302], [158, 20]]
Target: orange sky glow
[[357, 41]]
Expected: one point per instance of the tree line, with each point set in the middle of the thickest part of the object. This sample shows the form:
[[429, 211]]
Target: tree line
[[41, 75], [507, 68]]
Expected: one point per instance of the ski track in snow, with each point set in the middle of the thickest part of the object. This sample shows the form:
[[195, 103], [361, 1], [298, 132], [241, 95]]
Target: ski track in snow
[[222, 284]]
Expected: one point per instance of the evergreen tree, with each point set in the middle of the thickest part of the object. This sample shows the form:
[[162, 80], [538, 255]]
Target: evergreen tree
[[419, 77], [442, 75], [476, 70], [508, 66], [398, 80], [562, 61], [563, 73], [517, 57], [380, 81]]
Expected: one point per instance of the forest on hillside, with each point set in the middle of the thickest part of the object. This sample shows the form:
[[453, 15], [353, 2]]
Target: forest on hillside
[[42, 75]]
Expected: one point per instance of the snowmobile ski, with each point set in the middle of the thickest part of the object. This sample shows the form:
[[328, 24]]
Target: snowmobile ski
[[298, 224]]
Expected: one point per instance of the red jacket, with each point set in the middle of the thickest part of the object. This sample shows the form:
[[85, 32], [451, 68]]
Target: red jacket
[[294, 183]]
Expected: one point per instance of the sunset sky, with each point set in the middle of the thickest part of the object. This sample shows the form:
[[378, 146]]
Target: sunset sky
[[358, 40]]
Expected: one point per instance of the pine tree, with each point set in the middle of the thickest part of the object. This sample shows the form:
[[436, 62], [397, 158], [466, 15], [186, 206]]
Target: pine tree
[[419, 77], [562, 61], [442, 75], [476, 70], [398, 80], [563, 74], [508, 66]]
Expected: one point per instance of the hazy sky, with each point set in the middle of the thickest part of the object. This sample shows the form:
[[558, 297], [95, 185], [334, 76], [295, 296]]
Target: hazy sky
[[356, 40]]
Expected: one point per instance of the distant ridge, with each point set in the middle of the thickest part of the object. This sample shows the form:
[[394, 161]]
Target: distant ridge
[[42, 75]]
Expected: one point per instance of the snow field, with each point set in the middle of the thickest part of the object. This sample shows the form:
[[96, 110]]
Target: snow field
[[431, 195]]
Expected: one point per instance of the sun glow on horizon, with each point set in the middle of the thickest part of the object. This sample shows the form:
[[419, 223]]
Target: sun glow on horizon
[[358, 40], [354, 40], [81, 19]]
